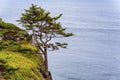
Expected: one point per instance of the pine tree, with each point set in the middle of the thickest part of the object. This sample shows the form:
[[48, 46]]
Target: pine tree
[[44, 28]]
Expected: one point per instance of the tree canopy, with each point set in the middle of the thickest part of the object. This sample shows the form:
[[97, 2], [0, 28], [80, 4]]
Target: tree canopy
[[43, 26], [9, 31]]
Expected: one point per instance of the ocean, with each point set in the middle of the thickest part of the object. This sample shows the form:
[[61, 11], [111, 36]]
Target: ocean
[[93, 52]]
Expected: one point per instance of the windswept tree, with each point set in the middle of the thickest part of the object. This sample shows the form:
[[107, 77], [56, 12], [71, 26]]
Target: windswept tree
[[44, 28]]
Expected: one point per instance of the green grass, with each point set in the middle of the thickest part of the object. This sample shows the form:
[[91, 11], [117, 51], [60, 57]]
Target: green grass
[[21, 62]]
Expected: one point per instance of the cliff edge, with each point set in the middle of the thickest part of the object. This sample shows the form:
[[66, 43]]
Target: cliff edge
[[19, 61]]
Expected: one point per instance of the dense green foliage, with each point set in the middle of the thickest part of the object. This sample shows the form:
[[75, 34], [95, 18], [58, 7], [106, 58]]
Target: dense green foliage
[[9, 31], [19, 61], [22, 47]]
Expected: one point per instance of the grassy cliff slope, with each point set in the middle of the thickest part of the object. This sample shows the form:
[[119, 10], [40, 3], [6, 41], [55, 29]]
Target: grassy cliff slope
[[19, 61]]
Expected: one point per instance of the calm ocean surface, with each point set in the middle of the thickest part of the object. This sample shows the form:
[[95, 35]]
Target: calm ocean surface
[[94, 52]]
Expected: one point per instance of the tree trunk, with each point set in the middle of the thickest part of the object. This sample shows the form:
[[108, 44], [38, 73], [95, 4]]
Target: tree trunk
[[46, 58], [47, 72]]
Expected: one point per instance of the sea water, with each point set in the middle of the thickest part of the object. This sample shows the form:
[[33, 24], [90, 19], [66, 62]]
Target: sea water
[[93, 52]]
